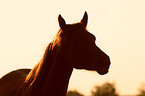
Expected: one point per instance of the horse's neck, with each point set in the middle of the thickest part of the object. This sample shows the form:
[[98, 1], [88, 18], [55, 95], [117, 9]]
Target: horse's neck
[[54, 81]]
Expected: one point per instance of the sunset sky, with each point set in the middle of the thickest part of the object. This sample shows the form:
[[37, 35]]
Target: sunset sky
[[27, 27]]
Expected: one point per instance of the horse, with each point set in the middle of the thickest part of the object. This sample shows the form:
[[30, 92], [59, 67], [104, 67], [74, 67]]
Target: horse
[[73, 47]]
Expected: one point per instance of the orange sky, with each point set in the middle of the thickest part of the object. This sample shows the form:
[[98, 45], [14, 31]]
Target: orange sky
[[26, 28]]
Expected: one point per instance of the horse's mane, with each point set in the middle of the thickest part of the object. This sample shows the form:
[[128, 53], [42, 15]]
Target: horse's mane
[[46, 62], [37, 76]]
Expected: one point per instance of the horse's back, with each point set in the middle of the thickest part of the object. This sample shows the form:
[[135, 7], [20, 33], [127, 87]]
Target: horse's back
[[10, 82]]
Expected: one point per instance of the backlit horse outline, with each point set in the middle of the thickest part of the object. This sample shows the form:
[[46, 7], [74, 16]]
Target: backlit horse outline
[[73, 47]]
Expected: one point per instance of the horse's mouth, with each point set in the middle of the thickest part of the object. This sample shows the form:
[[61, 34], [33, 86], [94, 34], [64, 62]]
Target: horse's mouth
[[103, 72]]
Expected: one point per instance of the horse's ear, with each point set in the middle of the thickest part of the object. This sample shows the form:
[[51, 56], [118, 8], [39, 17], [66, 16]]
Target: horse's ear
[[84, 21], [62, 23]]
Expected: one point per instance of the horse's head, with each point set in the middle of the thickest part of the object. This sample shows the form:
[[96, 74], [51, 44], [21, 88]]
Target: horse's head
[[81, 49]]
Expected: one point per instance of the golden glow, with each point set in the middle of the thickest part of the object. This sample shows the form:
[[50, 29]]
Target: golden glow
[[26, 27]]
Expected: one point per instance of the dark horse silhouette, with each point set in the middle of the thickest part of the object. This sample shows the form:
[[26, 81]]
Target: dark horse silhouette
[[73, 47]]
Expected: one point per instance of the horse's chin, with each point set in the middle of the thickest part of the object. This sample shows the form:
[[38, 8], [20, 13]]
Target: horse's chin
[[103, 72]]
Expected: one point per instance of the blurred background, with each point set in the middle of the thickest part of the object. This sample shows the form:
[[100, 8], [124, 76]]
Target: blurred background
[[27, 27]]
